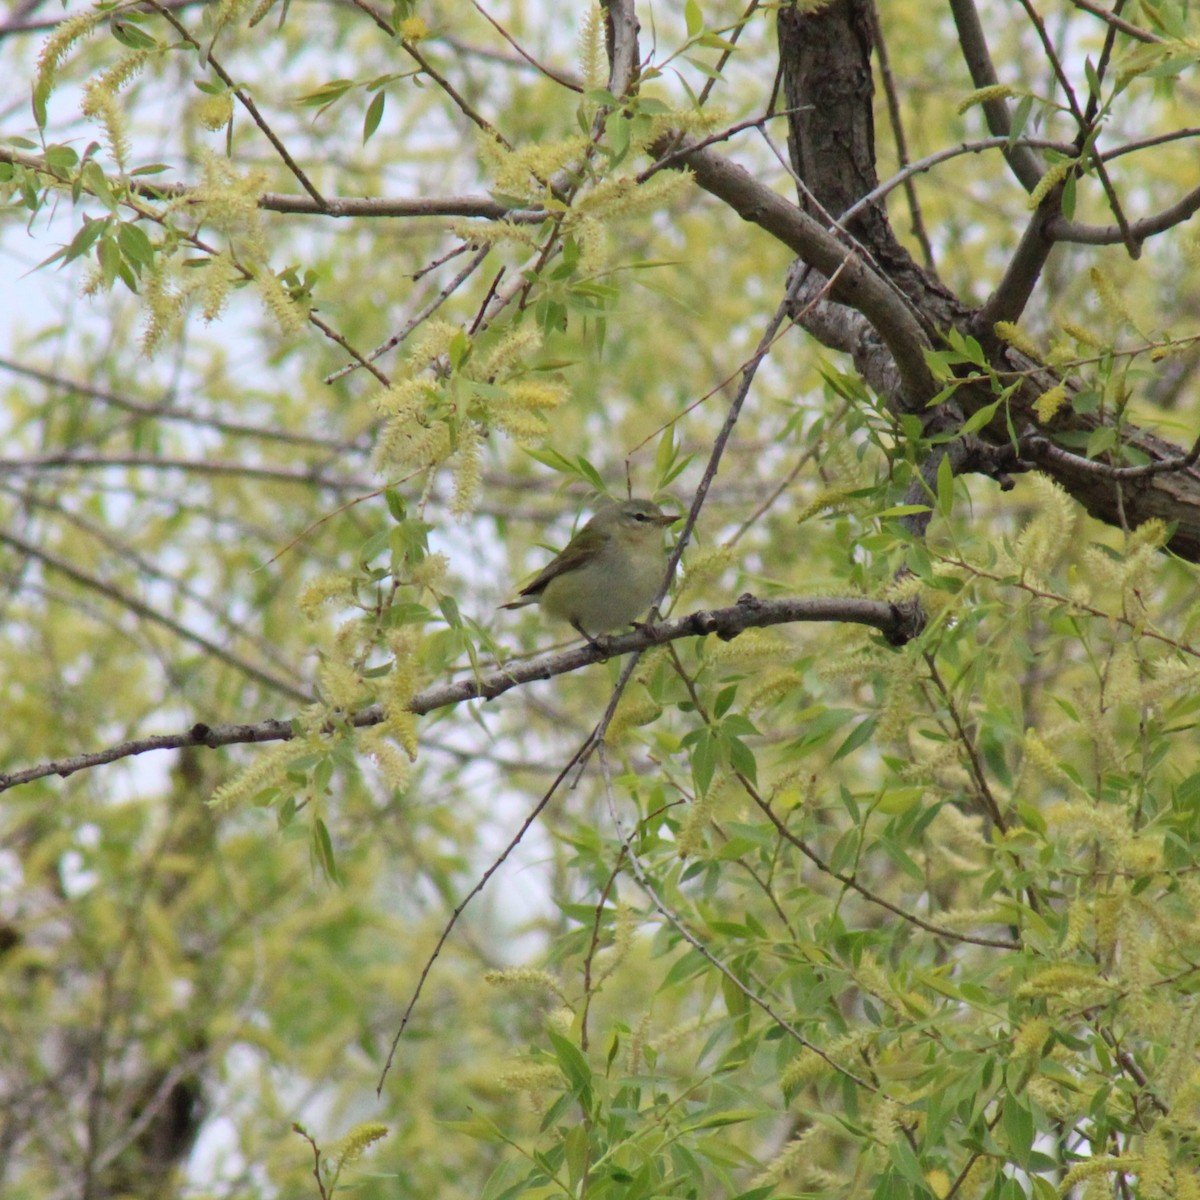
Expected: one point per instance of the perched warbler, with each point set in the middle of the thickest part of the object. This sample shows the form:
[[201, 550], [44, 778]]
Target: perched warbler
[[609, 571]]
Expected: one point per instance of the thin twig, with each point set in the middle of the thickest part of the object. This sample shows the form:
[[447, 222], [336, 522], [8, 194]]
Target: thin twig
[[748, 613], [472, 266], [480, 884], [244, 99], [698, 945], [95, 584], [549, 72]]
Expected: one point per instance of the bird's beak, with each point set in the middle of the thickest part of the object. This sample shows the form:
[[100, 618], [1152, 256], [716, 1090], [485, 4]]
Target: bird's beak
[[668, 519]]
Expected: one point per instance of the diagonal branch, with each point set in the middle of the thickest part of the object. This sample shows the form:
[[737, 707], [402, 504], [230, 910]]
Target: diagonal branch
[[897, 623]]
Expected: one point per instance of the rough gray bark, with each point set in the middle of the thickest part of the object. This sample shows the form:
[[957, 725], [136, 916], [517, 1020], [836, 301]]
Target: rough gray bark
[[825, 62]]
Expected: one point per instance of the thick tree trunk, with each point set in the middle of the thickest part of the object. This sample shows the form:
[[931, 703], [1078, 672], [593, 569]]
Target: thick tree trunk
[[825, 61]]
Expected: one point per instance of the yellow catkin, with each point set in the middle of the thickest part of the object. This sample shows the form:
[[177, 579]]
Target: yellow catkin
[[939, 1182], [431, 571], [805, 1068], [1187, 1182], [593, 64], [105, 108], [357, 1141], [536, 395], [267, 769], [394, 766], [215, 112], [623, 196], [1016, 337], [1047, 406], [1051, 531], [1107, 913], [511, 350], [525, 977], [773, 686], [413, 29], [1078, 916], [696, 823], [526, 172], [57, 45], [1060, 980], [529, 1077], [624, 928], [705, 567], [749, 650], [1053, 177], [285, 312], [793, 1157], [1155, 1176], [217, 281], [468, 470], [1031, 1037], [1109, 295], [1084, 336], [825, 501], [984, 95], [885, 1122], [635, 708], [339, 685], [1100, 1165], [523, 427], [228, 201], [326, 589], [637, 1045]]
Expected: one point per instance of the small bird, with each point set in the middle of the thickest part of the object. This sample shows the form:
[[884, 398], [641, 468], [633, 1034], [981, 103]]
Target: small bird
[[609, 571]]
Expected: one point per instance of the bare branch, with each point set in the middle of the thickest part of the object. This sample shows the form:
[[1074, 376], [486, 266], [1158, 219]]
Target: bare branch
[[198, 466], [95, 584], [1061, 230], [423, 315], [243, 98], [897, 623], [621, 22], [858, 285], [897, 124], [1115, 22], [1039, 448], [166, 412], [334, 206], [1025, 165], [563, 80], [1025, 267]]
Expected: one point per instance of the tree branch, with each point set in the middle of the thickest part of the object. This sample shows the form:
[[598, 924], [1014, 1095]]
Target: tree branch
[[1023, 163], [334, 206], [898, 624], [857, 286]]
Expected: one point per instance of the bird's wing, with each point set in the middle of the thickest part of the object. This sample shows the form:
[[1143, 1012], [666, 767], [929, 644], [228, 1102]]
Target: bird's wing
[[578, 550]]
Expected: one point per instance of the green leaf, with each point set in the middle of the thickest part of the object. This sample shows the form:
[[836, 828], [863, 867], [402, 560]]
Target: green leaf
[[571, 1062], [704, 761], [979, 418], [1101, 440], [322, 851], [135, 245], [1019, 1130], [374, 116], [859, 737], [902, 510], [693, 18], [61, 158], [326, 94], [128, 34], [945, 486]]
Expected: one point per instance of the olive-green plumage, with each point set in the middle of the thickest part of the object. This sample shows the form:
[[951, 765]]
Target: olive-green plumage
[[609, 571]]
